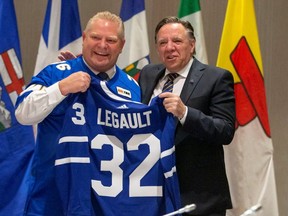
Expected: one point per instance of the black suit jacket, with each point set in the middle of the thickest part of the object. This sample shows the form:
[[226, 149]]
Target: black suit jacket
[[208, 92]]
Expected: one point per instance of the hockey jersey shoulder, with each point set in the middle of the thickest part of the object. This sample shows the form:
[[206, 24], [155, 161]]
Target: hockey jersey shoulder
[[57, 71]]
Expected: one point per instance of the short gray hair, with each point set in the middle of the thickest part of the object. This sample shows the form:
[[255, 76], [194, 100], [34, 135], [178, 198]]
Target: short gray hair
[[106, 15]]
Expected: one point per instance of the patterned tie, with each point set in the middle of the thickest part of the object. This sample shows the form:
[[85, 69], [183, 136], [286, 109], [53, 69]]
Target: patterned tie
[[103, 76], [168, 86]]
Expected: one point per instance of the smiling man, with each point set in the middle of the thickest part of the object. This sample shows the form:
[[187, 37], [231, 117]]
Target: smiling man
[[202, 101], [44, 101]]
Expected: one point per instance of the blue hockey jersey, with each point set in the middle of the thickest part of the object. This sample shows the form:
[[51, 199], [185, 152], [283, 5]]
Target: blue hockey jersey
[[43, 199], [116, 157]]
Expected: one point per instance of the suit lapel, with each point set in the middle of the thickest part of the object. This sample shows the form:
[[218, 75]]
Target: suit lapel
[[194, 75], [158, 73]]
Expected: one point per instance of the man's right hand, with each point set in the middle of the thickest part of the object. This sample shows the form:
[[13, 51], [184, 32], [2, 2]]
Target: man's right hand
[[66, 55], [76, 82]]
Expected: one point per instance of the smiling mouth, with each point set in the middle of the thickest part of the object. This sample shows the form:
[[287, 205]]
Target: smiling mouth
[[171, 57], [101, 54]]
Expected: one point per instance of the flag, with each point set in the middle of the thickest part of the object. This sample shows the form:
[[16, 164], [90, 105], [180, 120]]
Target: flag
[[135, 54], [190, 10], [249, 158], [61, 31], [16, 141]]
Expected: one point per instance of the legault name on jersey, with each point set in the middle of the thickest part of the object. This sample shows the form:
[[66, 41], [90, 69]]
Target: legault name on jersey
[[119, 151]]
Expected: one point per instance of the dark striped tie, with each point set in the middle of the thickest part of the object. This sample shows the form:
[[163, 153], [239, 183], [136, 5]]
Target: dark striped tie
[[168, 86], [103, 76]]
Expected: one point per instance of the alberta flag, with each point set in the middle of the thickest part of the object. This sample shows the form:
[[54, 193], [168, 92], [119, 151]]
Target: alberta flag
[[16, 141], [190, 10], [135, 54], [249, 159], [61, 31]]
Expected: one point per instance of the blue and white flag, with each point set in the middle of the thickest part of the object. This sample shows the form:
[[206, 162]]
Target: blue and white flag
[[16, 141], [135, 54], [61, 31]]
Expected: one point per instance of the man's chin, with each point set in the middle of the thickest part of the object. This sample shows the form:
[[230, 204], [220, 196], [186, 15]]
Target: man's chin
[[170, 66]]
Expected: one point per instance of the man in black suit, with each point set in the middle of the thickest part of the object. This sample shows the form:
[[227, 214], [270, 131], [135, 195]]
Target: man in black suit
[[204, 105]]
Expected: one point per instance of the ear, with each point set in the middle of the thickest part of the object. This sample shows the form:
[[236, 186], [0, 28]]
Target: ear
[[83, 35], [156, 48], [193, 46], [123, 43]]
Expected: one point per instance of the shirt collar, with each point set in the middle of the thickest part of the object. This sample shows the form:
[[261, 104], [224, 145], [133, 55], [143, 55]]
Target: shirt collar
[[111, 72]]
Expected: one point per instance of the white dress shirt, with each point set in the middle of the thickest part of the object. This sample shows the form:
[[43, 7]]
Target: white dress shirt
[[42, 100], [177, 86]]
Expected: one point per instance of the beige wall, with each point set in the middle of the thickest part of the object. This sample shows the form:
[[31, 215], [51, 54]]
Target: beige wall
[[272, 20]]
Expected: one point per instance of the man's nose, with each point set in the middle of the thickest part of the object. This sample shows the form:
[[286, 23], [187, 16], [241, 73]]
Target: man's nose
[[170, 45], [103, 43]]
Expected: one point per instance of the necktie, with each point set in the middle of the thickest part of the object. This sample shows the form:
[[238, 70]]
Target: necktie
[[168, 86], [103, 76]]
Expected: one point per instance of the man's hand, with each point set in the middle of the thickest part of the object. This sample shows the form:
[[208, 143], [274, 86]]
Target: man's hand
[[173, 104], [76, 82], [66, 55]]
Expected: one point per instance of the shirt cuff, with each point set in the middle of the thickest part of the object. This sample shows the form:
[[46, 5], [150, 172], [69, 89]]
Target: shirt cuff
[[54, 93], [182, 120]]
